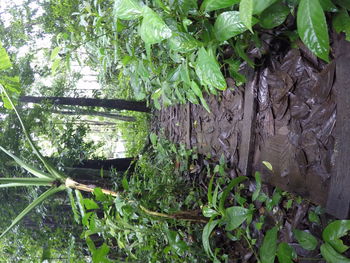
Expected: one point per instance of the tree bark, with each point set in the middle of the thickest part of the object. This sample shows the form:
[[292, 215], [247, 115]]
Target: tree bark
[[88, 102]]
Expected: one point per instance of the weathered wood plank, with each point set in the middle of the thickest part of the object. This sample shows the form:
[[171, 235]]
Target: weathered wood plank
[[246, 149], [339, 193]]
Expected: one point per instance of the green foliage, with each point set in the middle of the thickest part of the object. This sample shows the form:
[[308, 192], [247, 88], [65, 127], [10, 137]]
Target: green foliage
[[312, 27], [267, 251], [305, 239]]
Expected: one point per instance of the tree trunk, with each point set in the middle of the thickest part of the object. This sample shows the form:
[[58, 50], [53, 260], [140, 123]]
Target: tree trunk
[[88, 102], [119, 164], [97, 113]]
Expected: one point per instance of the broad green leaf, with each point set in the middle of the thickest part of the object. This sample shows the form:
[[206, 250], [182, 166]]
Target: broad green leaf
[[261, 5], [341, 23], [14, 181], [334, 231], [54, 53], [274, 15], [36, 202], [312, 28], [153, 29], [305, 239], [212, 5], [209, 212], [27, 167], [208, 70], [90, 204], [285, 253], [267, 251], [11, 84], [127, 9], [332, 256], [258, 186], [52, 170], [246, 13], [234, 182], [328, 6], [55, 65], [268, 165], [209, 227], [227, 25], [5, 62], [183, 42], [235, 216]]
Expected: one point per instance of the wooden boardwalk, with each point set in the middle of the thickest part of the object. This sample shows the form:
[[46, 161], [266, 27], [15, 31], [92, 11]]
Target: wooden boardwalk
[[294, 112]]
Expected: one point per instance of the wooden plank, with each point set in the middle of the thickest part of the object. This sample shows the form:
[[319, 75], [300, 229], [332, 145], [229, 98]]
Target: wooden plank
[[339, 193], [246, 149]]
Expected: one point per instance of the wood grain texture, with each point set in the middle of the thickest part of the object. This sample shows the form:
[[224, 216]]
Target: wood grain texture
[[339, 193]]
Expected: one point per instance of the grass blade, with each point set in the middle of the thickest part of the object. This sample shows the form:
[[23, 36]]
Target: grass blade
[[46, 163], [9, 182], [27, 167], [36, 202]]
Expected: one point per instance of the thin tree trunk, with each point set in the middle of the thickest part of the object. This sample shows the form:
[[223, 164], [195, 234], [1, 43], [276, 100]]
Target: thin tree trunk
[[96, 113], [88, 102], [120, 164]]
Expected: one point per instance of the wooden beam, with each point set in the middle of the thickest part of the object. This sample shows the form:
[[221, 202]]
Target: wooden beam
[[338, 202], [246, 149]]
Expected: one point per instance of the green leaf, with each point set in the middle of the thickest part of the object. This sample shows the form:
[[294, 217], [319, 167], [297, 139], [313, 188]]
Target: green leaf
[[246, 13], [305, 239], [258, 186], [312, 28], [212, 5], [29, 208], [11, 84], [334, 231], [52, 170], [209, 227], [127, 9], [227, 25], [125, 183], [261, 5], [90, 204], [208, 70], [328, 6], [27, 167], [55, 65], [274, 15], [235, 216], [153, 29], [341, 23], [100, 254], [183, 42], [210, 190], [73, 205], [14, 181], [332, 256], [54, 53], [267, 251], [209, 212], [313, 217], [268, 165], [5, 62], [234, 182], [285, 253]]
